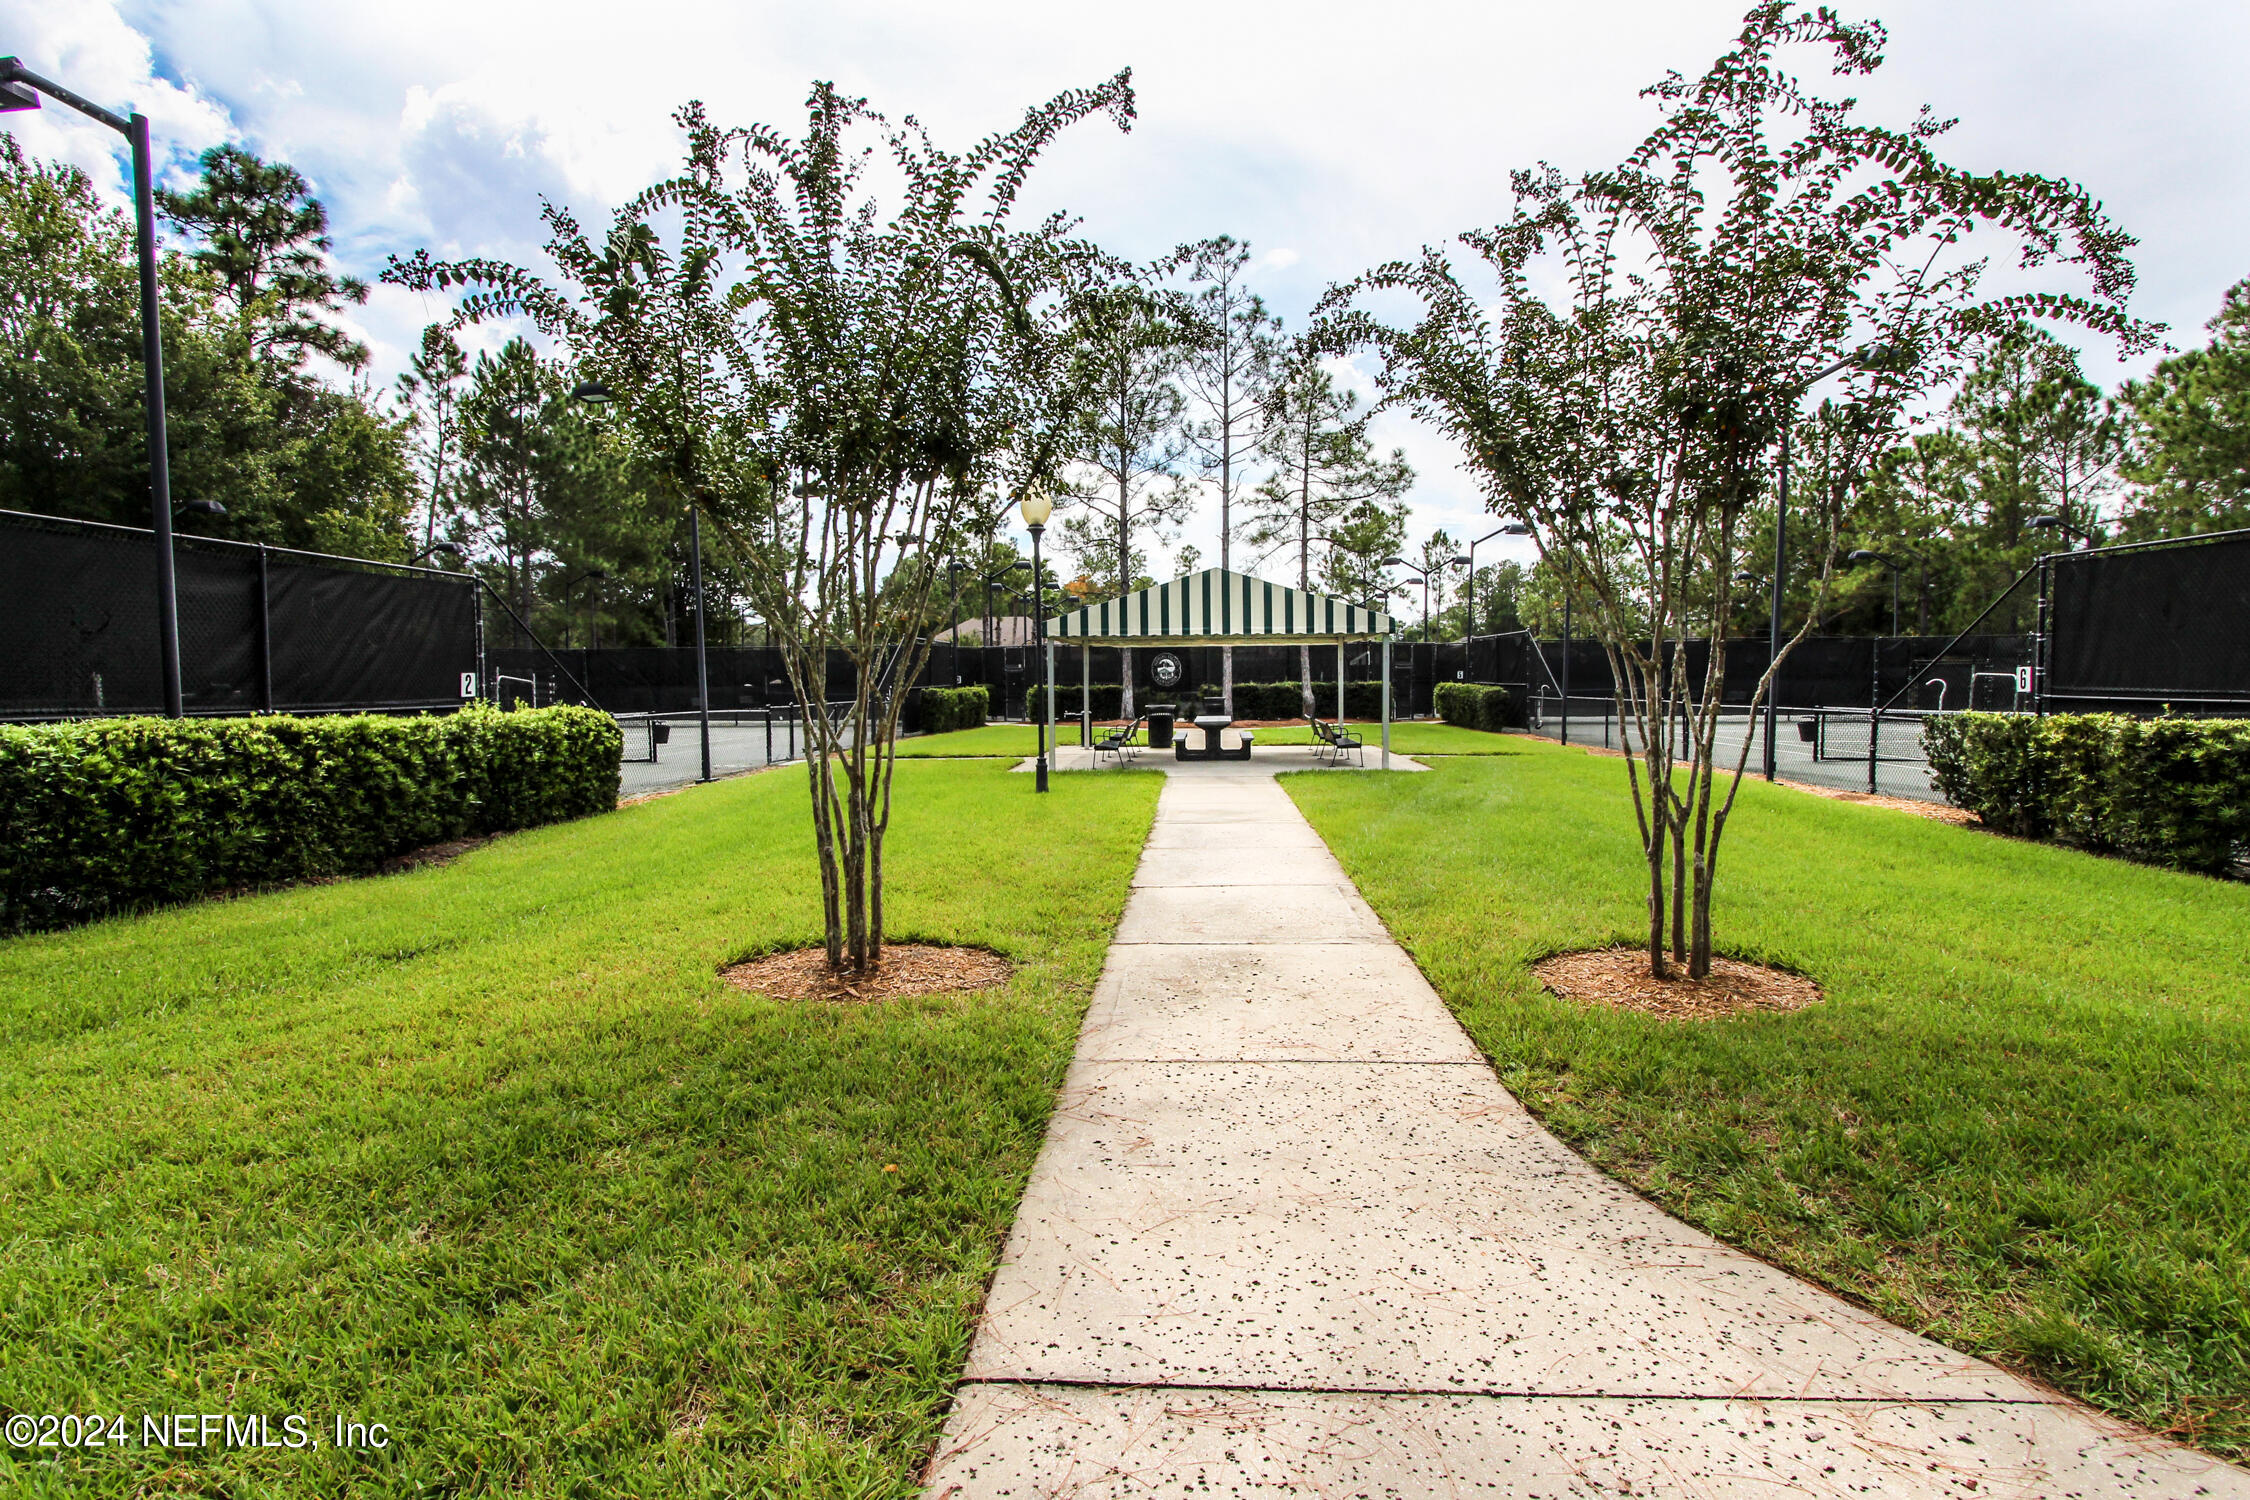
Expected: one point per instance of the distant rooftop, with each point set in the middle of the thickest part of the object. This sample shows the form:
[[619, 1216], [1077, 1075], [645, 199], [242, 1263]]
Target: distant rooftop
[[1009, 630]]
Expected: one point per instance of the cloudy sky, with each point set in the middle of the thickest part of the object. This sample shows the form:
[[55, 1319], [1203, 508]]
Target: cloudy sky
[[1330, 137]]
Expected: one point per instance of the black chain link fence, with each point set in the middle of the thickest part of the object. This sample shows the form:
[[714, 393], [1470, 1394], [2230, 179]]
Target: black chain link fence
[[2149, 628], [2145, 629], [261, 629]]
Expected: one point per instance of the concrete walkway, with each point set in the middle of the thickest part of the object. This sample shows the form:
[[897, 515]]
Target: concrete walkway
[[1289, 1235]]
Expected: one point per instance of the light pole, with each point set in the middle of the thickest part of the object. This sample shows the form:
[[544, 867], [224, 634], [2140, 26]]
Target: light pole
[[1893, 564], [1513, 528], [953, 634], [591, 575], [1400, 562], [1036, 506], [2063, 525], [594, 393], [17, 85], [998, 636], [702, 657], [1867, 358]]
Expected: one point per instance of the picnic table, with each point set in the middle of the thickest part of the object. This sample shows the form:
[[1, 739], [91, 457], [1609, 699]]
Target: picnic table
[[1212, 749]]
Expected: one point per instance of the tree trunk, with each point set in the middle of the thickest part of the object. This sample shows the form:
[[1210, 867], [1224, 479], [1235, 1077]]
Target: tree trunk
[[1656, 829], [1124, 569], [1226, 529], [1304, 582], [1680, 887], [820, 777]]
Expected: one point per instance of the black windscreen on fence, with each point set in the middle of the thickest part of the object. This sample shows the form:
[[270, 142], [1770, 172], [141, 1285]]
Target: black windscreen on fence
[[259, 628], [2165, 623], [1822, 672]]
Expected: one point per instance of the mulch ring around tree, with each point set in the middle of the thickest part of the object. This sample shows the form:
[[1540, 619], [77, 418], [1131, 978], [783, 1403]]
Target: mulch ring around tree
[[1619, 977], [907, 969]]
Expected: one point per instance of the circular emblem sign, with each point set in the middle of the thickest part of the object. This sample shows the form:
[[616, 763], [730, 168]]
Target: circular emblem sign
[[1167, 671]]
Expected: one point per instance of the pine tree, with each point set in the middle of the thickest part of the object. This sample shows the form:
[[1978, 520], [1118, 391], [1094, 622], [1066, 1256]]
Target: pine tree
[[2190, 433], [1233, 347], [1130, 439], [431, 390], [265, 238], [1315, 437]]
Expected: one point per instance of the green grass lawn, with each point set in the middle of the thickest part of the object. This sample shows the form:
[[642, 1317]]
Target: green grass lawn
[[1000, 741], [1416, 737], [1408, 737], [486, 1153], [2020, 1122]]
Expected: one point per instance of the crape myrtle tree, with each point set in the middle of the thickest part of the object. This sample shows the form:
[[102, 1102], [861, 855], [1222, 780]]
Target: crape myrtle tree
[[1761, 236], [1233, 347], [830, 385], [1326, 481]]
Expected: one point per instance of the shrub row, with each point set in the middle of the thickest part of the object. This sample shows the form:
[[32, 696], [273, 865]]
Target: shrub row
[[1476, 705], [2165, 791], [117, 814], [1286, 700], [1107, 698], [942, 709], [1252, 700]]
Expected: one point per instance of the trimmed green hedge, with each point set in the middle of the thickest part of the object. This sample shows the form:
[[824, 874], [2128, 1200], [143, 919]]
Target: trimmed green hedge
[[1286, 700], [2164, 791], [112, 815], [1107, 698], [1475, 705], [943, 709]]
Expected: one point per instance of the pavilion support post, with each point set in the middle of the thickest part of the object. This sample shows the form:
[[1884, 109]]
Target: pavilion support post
[[1339, 682], [1386, 703], [1086, 693]]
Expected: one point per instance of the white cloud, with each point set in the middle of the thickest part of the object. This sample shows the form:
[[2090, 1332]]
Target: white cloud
[[85, 46], [1326, 139]]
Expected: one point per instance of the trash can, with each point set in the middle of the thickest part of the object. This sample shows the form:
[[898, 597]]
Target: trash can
[[1160, 725]]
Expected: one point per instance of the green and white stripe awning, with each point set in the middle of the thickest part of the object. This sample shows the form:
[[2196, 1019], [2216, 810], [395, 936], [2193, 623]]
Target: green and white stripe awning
[[1215, 607]]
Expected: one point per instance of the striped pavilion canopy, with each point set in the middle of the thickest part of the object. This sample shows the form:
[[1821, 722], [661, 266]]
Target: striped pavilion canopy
[[1215, 607]]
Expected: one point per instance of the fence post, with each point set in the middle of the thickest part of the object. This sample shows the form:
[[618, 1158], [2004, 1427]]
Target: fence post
[[1874, 707], [1386, 703], [2042, 652], [265, 635], [484, 668], [1565, 683]]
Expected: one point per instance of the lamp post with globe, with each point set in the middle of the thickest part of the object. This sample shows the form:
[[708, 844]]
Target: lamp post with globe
[[1037, 505]]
